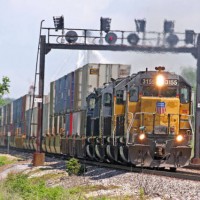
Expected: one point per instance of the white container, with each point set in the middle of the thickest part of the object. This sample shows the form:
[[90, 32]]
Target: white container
[[34, 122], [96, 75], [78, 127]]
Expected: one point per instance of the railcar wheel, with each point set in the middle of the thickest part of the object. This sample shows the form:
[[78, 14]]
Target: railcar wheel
[[100, 151], [123, 151], [112, 153], [90, 151]]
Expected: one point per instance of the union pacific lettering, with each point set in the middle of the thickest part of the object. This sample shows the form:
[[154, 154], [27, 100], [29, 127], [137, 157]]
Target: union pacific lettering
[[150, 81]]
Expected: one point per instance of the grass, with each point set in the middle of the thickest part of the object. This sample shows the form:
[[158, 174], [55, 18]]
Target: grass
[[90, 188], [46, 177], [20, 187], [4, 160]]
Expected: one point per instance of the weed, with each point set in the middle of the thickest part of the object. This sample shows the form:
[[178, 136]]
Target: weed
[[74, 167], [21, 185], [5, 160], [141, 193]]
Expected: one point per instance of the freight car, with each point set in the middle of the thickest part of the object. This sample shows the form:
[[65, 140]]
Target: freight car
[[101, 113]]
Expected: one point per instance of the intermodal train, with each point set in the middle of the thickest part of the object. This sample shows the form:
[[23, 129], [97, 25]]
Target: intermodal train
[[101, 112]]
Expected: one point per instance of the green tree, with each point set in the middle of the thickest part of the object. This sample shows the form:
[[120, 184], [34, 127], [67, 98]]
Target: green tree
[[4, 88], [189, 73]]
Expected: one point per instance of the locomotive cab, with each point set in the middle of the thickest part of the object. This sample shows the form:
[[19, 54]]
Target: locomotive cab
[[160, 130]]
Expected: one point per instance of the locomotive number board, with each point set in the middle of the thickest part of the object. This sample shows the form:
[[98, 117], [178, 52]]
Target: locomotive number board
[[150, 81]]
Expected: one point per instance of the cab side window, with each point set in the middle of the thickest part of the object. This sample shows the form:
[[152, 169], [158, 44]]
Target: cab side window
[[119, 96], [184, 95], [92, 103], [134, 94]]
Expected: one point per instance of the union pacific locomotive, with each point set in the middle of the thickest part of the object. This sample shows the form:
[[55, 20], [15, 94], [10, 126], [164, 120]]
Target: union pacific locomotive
[[143, 119]]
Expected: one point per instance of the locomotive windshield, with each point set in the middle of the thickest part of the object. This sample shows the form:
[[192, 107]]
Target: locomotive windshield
[[154, 92]]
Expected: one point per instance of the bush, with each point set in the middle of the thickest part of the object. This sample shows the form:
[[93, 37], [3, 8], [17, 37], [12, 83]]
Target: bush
[[74, 167]]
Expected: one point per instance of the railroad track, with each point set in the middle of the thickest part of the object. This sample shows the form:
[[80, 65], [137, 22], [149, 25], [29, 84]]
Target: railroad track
[[177, 174], [185, 175]]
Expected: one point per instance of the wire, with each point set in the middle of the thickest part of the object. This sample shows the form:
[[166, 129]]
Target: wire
[[36, 68]]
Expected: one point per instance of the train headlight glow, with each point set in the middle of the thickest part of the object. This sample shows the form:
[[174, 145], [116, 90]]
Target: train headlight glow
[[142, 136], [179, 138], [160, 80]]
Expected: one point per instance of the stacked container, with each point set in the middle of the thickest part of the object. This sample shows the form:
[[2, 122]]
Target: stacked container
[[87, 78], [93, 76], [6, 120], [69, 92], [68, 95], [32, 118], [46, 112], [20, 106], [77, 89]]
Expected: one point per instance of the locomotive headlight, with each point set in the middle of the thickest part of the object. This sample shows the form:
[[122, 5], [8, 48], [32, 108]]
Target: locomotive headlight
[[142, 136], [160, 80], [179, 138]]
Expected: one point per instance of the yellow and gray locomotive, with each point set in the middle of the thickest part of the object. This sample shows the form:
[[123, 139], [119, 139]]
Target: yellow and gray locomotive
[[144, 119]]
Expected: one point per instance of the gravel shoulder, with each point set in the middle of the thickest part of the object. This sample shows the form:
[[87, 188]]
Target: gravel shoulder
[[110, 182]]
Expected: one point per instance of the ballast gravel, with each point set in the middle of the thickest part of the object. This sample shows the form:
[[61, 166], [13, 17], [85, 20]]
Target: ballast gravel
[[115, 183]]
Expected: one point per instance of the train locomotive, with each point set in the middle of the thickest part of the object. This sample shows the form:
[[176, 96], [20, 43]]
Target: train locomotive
[[144, 119]]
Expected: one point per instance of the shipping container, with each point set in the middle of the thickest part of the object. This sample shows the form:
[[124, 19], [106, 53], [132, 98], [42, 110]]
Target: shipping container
[[51, 124], [57, 95], [34, 122], [20, 106], [52, 98], [45, 126], [78, 123], [68, 124], [62, 108], [6, 118], [96, 75], [62, 95], [77, 89], [70, 92], [31, 115]]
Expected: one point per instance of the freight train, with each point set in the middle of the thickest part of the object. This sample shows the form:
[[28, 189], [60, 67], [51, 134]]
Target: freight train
[[101, 112]]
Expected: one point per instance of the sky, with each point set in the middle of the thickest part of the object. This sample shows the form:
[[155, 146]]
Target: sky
[[19, 35]]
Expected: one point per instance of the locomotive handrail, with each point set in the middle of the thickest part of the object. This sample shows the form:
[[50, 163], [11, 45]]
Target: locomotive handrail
[[114, 131], [133, 118], [189, 120]]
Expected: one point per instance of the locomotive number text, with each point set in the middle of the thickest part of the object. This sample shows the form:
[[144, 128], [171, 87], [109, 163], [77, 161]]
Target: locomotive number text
[[150, 81]]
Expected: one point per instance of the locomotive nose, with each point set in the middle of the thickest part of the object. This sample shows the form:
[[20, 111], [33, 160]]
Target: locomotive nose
[[165, 113]]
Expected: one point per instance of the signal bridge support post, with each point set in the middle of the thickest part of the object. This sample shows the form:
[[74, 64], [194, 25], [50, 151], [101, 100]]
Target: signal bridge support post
[[39, 156], [196, 159]]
